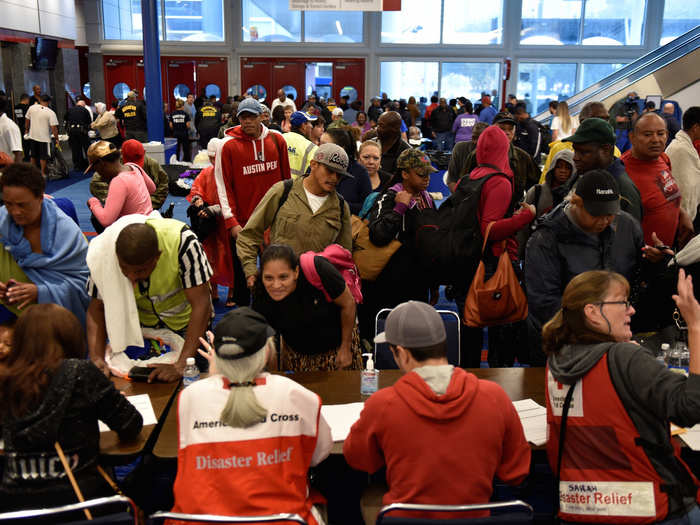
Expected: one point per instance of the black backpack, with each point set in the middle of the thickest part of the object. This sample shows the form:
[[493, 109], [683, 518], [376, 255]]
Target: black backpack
[[448, 240]]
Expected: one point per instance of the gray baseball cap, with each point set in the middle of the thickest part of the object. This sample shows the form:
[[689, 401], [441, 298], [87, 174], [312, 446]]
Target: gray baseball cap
[[413, 325], [333, 157], [250, 105]]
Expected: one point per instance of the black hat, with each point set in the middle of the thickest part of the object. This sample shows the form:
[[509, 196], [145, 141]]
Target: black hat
[[504, 116], [240, 333], [599, 192]]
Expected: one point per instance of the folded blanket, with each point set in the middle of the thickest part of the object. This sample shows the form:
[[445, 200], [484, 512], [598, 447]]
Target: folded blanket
[[117, 292], [59, 272]]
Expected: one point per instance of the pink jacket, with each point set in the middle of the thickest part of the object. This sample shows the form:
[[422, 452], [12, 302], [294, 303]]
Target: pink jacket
[[129, 192]]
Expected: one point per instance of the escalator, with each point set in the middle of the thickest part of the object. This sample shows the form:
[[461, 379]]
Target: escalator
[[666, 71]]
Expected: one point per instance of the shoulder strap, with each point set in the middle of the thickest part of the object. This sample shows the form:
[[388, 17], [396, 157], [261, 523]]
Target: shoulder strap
[[341, 202], [560, 452], [538, 194], [288, 183], [308, 266]]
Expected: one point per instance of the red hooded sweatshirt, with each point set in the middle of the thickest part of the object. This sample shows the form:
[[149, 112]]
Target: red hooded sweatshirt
[[497, 192], [440, 448], [245, 169]]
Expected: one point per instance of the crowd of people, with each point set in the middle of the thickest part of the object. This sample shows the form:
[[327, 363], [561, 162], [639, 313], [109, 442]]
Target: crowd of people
[[277, 218]]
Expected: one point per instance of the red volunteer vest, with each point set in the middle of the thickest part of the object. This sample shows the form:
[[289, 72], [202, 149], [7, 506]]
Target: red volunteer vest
[[605, 476], [246, 472]]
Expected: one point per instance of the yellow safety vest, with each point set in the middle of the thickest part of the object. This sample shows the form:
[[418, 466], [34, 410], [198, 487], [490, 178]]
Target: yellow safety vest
[[301, 150], [165, 300]]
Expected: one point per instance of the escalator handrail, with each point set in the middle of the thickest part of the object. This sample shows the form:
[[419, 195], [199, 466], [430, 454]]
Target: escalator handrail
[[632, 72]]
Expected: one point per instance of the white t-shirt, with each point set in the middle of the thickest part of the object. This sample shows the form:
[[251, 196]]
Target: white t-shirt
[[563, 133], [315, 201], [287, 102], [10, 136], [40, 120]]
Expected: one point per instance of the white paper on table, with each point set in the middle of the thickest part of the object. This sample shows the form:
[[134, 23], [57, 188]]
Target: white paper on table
[[142, 403], [692, 437], [533, 418], [341, 417]]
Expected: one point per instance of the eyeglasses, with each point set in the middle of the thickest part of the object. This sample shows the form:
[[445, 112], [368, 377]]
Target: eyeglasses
[[626, 303]]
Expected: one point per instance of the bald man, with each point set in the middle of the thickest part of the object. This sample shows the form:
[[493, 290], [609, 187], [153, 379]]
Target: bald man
[[650, 169], [390, 141]]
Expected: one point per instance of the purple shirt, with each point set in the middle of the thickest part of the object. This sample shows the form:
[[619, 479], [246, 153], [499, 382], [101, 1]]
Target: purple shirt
[[463, 126]]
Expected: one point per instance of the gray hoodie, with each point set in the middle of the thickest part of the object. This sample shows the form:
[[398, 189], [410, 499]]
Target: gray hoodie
[[651, 394]]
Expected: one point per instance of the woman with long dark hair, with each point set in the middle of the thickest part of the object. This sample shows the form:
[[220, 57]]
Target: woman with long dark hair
[[619, 402], [317, 334], [52, 396]]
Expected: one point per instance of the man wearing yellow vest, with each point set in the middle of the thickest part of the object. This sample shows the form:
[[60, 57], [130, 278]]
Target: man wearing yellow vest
[[168, 273], [301, 150]]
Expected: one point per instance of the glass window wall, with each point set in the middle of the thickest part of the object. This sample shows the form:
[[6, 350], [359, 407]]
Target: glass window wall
[[270, 21], [468, 79], [406, 79], [333, 26], [472, 22], [418, 22], [680, 16], [592, 73], [540, 83]]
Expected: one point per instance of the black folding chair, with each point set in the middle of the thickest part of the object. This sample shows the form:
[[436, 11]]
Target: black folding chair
[[507, 512], [159, 517], [116, 510]]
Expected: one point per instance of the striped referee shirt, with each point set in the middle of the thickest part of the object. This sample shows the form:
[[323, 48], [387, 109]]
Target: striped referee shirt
[[194, 265]]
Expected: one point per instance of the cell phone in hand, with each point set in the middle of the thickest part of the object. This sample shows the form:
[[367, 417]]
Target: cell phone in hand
[[140, 373]]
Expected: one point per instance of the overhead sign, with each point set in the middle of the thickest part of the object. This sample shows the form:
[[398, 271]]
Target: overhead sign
[[345, 5]]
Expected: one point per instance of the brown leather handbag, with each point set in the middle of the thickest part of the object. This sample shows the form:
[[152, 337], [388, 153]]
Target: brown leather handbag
[[501, 299], [369, 258]]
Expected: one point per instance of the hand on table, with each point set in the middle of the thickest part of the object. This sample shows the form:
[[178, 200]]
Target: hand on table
[[166, 373], [102, 365]]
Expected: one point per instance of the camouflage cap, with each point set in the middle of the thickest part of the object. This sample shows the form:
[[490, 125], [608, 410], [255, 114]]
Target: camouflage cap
[[416, 159]]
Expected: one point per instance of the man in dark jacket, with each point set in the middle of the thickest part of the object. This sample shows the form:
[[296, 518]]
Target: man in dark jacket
[[527, 133], [207, 122], [77, 122], [374, 111], [594, 144], [133, 117], [441, 120], [391, 143], [588, 233]]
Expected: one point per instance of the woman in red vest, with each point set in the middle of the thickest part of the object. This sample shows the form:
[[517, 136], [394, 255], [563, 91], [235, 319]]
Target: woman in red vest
[[609, 408]]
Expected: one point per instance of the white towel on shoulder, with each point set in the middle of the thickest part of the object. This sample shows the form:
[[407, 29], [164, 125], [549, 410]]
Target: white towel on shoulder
[[121, 315]]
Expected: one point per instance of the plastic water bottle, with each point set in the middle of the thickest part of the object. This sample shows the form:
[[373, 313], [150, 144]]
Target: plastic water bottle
[[663, 353], [674, 359], [191, 372]]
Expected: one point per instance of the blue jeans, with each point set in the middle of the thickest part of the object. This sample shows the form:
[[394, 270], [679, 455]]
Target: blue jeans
[[444, 140]]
